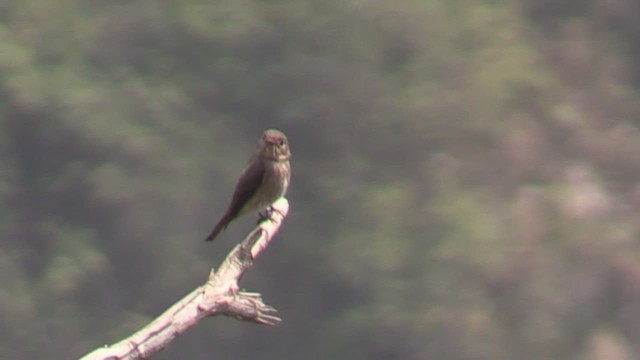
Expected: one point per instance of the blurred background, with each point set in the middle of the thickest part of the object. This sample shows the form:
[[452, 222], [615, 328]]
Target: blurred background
[[465, 174]]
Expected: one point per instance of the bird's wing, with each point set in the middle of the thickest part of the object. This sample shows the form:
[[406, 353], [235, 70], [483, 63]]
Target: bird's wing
[[247, 185]]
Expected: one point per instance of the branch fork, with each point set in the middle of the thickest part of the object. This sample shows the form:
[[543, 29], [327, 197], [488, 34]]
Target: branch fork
[[220, 295]]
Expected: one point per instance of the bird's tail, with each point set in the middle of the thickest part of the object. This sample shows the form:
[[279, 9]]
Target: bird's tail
[[221, 225]]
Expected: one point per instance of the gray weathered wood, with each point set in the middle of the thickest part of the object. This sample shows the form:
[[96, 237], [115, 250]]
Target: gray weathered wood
[[220, 295]]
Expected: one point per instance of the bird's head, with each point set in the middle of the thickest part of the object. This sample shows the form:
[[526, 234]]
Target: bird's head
[[274, 145]]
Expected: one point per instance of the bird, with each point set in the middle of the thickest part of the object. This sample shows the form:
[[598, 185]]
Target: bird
[[264, 180]]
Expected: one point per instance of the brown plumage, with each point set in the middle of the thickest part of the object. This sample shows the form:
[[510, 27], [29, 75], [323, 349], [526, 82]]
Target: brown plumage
[[263, 181]]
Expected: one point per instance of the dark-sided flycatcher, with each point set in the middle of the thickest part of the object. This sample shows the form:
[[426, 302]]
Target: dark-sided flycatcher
[[263, 181]]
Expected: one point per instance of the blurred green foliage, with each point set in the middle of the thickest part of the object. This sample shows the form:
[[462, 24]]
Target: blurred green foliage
[[465, 174]]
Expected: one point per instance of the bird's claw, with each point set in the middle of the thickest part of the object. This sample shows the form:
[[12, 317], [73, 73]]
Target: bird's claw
[[266, 214]]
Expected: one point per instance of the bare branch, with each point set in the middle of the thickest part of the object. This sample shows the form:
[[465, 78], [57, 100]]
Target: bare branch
[[219, 296]]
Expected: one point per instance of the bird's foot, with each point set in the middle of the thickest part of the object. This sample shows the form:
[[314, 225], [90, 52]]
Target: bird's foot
[[266, 214]]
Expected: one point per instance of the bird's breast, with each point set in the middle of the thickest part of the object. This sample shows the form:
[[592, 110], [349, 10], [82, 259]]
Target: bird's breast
[[275, 182]]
